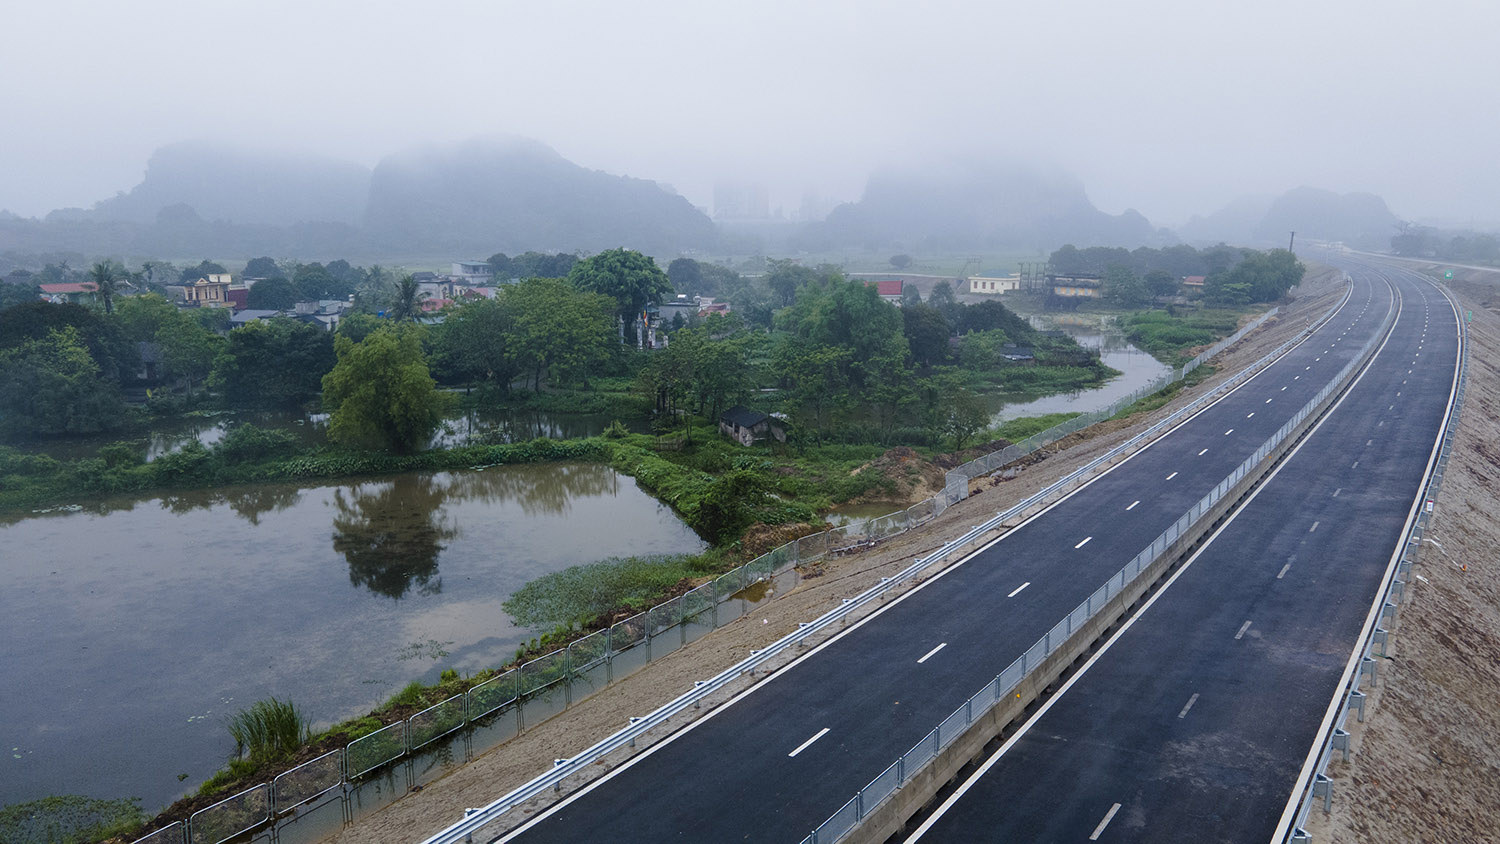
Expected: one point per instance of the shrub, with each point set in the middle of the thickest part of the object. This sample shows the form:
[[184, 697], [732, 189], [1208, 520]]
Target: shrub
[[269, 730], [248, 442]]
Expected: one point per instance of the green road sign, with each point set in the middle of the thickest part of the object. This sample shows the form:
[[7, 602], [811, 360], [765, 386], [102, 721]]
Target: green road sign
[[1468, 316], [1447, 274]]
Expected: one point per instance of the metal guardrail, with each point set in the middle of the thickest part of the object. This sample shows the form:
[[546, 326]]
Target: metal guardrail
[[848, 817], [476, 819], [1320, 786], [552, 682]]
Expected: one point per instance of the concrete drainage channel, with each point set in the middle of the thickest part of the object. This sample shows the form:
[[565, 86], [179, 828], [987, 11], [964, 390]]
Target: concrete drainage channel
[[904, 792]]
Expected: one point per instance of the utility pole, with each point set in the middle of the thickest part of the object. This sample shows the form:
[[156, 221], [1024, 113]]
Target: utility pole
[[1292, 241]]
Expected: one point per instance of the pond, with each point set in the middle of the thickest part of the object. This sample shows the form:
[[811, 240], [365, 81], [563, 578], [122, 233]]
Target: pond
[[135, 627], [1092, 331], [460, 428]]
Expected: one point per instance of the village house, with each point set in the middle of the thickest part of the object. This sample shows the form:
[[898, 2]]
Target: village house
[[890, 291], [71, 292], [1194, 280], [994, 286], [211, 291], [746, 426]]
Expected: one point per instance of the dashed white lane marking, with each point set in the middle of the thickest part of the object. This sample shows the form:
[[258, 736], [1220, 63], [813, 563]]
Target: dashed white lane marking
[[1392, 407], [1296, 377], [804, 745], [1108, 816], [1355, 466], [1369, 442], [1083, 543], [1016, 591], [1283, 389], [1398, 393], [1268, 401], [930, 653], [1250, 415], [1203, 452], [1132, 505], [1337, 491], [1314, 527], [1171, 476], [1228, 432], [1305, 368], [1192, 700], [1284, 569], [1243, 628]]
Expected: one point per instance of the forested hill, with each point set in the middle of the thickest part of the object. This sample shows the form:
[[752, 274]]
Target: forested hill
[[462, 201], [1358, 219], [973, 205], [514, 195], [223, 182]]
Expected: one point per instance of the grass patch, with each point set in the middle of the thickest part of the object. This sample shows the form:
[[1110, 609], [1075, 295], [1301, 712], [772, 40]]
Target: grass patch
[[1168, 337], [69, 819], [268, 730], [1016, 430], [578, 595]]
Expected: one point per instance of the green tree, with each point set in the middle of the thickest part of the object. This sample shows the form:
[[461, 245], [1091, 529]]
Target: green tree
[[380, 391], [272, 294], [204, 269], [18, 294], [633, 280], [845, 314], [558, 327], [262, 268], [188, 350], [474, 344], [273, 363], [140, 317], [407, 305], [926, 333], [947, 304], [1162, 283], [900, 262], [106, 275], [52, 386], [685, 276], [1124, 288]]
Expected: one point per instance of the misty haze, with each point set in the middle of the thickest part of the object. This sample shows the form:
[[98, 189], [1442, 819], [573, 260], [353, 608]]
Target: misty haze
[[1040, 422]]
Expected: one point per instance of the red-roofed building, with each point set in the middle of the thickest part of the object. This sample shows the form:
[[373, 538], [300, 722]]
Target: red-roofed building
[[890, 290], [77, 292]]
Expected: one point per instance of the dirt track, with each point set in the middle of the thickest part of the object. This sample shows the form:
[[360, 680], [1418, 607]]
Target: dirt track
[[1427, 760], [442, 802]]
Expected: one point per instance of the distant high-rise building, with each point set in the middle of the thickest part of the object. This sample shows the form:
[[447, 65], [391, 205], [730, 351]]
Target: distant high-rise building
[[741, 201], [815, 207]]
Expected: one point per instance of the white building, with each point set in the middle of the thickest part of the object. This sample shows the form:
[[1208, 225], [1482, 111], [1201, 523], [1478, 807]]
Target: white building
[[995, 286]]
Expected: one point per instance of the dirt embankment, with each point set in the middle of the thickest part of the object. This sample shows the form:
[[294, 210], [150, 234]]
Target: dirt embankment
[[1426, 766], [442, 802]]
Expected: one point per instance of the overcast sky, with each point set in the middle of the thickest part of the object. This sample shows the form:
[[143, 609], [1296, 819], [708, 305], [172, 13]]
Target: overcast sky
[[1170, 107]]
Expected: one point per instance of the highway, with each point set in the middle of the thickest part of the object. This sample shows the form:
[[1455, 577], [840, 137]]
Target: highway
[[779, 759], [1194, 722]]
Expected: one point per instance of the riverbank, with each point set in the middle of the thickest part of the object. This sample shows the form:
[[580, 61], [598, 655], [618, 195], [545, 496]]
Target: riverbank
[[442, 802]]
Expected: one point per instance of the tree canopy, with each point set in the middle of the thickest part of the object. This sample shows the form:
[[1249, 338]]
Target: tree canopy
[[380, 391], [633, 280], [273, 363]]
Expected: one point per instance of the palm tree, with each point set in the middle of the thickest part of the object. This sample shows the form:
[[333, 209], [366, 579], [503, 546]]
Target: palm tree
[[105, 276], [409, 296]]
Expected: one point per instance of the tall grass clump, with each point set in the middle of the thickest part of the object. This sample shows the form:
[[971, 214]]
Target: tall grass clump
[[268, 730], [579, 594]]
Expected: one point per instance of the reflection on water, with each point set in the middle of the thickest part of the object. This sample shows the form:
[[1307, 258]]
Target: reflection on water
[[1092, 331], [391, 534], [135, 626]]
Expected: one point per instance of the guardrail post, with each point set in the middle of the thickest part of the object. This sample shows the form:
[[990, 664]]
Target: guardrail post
[[1357, 701], [1380, 636], [1323, 787], [859, 804], [1341, 741]]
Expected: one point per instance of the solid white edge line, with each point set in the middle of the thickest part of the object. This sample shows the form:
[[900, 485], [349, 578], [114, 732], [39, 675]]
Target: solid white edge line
[[916, 588], [1108, 816], [930, 653], [1289, 814], [806, 744], [1129, 622]]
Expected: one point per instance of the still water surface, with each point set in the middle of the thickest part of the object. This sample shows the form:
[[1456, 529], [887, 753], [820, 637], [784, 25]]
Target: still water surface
[[134, 627], [1092, 331]]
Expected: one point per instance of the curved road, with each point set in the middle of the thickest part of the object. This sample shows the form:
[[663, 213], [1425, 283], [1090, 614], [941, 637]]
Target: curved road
[[778, 760], [1194, 723]]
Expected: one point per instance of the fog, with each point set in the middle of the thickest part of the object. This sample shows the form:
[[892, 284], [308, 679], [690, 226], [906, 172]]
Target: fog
[[1171, 108]]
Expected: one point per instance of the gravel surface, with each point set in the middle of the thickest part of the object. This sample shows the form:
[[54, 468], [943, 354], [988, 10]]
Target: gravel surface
[[510, 765]]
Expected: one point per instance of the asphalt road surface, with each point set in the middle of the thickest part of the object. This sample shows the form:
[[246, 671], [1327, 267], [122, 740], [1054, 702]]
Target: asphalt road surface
[[1194, 724], [777, 761]]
